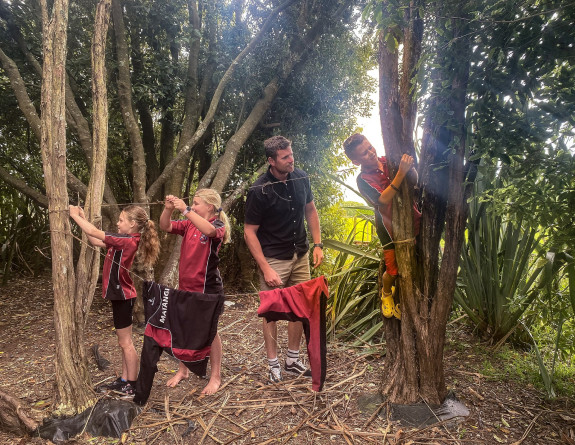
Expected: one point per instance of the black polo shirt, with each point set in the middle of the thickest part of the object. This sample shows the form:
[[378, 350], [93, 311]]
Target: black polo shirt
[[278, 208]]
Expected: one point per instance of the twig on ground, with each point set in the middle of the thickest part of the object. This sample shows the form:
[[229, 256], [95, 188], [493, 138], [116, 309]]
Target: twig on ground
[[526, 433], [214, 419], [374, 415]]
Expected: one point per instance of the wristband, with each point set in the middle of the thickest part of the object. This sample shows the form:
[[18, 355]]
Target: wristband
[[394, 187]]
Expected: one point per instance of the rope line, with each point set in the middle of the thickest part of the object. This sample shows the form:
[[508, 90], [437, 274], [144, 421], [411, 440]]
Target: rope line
[[102, 254], [225, 192]]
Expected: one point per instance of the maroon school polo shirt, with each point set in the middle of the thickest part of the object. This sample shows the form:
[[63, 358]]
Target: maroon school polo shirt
[[370, 185], [199, 257], [116, 281]]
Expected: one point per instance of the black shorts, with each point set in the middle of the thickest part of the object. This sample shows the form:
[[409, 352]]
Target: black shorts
[[122, 310]]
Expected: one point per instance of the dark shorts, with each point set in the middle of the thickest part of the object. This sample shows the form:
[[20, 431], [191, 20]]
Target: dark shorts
[[122, 310]]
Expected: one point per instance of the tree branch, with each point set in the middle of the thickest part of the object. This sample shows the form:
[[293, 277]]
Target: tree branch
[[22, 187], [187, 146]]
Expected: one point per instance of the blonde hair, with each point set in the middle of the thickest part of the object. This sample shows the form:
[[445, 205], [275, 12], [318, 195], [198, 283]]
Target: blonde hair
[[149, 247], [212, 197]]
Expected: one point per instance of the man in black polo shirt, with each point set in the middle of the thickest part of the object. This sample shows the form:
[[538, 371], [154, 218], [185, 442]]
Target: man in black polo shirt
[[274, 230]]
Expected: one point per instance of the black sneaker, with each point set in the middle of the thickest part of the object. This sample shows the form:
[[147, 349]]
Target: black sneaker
[[127, 391], [114, 386], [297, 368], [275, 374]]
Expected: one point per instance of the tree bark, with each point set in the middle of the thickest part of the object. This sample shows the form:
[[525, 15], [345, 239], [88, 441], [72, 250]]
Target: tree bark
[[414, 369], [21, 186], [128, 114], [192, 105], [76, 120], [72, 392], [88, 266], [14, 415], [74, 116]]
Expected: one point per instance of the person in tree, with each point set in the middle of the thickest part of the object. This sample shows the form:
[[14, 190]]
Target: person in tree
[[378, 189], [204, 228], [136, 236], [276, 206]]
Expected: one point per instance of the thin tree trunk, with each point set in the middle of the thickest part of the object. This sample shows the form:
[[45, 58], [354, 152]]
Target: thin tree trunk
[[88, 266], [125, 100], [72, 393]]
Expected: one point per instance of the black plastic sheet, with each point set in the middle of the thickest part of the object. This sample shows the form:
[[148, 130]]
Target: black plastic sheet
[[107, 418]]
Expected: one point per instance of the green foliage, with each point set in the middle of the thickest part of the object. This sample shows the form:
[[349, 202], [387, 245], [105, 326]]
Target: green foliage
[[501, 271], [547, 375], [354, 305], [521, 107], [22, 235]]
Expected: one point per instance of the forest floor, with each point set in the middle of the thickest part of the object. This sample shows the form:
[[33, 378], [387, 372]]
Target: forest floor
[[247, 410]]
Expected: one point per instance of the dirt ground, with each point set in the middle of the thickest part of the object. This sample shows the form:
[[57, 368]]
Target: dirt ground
[[247, 410]]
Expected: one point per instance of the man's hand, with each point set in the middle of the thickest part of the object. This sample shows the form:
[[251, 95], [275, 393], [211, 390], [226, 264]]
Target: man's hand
[[405, 164], [317, 257], [272, 278]]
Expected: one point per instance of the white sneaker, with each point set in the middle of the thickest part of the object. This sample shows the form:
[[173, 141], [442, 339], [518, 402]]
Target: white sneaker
[[297, 368], [275, 374]]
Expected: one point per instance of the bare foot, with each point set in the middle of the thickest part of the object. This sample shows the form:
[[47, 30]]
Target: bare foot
[[180, 375], [212, 386]]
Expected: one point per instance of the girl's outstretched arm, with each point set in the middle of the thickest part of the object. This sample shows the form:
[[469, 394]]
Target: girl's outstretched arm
[[203, 225], [95, 235]]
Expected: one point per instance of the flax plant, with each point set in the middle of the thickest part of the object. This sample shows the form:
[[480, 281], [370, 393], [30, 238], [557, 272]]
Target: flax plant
[[353, 307], [502, 271]]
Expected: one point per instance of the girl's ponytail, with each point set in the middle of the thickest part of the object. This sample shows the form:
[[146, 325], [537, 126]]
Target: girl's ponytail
[[149, 247], [224, 218]]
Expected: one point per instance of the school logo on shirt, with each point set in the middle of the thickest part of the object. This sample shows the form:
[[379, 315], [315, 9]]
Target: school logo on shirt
[[203, 239], [164, 305]]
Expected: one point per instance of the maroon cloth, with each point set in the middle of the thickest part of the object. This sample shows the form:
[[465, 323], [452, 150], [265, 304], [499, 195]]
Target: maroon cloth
[[116, 281], [305, 302]]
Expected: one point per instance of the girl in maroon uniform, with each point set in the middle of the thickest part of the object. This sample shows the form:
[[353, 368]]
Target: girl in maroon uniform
[[136, 235], [204, 228]]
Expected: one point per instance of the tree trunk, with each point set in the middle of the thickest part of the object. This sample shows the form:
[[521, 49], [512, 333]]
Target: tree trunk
[[128, 114], [186, 145], [72, 392], [414, 365], [88, 266]]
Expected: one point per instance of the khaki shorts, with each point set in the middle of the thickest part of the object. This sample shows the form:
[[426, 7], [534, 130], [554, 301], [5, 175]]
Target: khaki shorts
[[291, 272]]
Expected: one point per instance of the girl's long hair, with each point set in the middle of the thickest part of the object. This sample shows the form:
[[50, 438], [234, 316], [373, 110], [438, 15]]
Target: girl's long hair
[[149, 247], [212, 197]]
